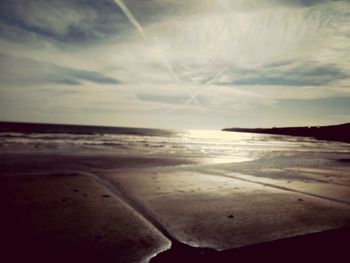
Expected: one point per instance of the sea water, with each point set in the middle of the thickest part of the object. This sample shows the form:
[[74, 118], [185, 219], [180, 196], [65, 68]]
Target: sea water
[[205, 146]]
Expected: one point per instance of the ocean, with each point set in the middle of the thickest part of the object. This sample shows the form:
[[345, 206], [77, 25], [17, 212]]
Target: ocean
[[197, 146]]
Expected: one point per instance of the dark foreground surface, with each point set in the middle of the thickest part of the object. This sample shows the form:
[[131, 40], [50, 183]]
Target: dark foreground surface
[[326, 246], [339, 133], [73, 218]]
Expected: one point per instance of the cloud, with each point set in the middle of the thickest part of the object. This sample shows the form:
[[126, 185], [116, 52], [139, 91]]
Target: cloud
[[307, 74], [73, 22], [236, 58], [200, 46], [21, 71], [60, 21], [317, 107]]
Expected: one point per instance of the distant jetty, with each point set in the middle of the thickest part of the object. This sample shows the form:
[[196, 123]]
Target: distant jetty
[[339, 132]]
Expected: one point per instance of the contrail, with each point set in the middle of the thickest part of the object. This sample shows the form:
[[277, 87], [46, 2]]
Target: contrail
[[216, 76], [193, 96], [211, 80], [132, 19], [191, 99], [139, 28]]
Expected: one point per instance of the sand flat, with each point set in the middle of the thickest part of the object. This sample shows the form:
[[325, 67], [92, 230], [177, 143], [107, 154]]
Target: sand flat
[[339, 175], [222, 213], [67, 217], [325, 190]]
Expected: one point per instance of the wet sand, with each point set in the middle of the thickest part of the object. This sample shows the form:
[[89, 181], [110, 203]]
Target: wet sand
[[71, 218], [108, 208], [224, 212]]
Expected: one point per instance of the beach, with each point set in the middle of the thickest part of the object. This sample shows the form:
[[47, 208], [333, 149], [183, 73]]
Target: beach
[[164, 198]]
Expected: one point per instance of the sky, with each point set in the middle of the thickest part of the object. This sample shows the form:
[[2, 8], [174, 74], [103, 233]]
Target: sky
[[187, 64]]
